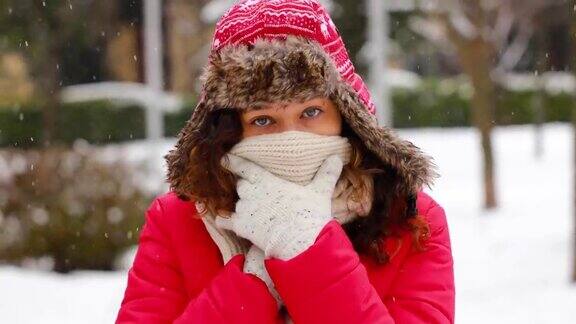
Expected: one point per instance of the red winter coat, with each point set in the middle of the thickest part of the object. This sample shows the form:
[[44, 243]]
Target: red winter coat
[[178, 276]]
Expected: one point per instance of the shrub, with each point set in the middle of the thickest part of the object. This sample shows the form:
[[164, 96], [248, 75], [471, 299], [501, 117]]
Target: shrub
[[67, 206]]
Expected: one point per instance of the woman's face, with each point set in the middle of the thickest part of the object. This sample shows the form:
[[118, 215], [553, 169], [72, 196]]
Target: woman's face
[[318, 115]]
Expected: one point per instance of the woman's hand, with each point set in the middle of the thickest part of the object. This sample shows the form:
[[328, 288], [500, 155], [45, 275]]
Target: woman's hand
[[280, 217]]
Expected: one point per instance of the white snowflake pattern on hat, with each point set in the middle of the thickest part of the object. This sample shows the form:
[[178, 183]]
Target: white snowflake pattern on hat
[[326, 25], [249, 3]]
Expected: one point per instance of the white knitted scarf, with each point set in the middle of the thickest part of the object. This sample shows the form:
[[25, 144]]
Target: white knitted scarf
[[294, 156]]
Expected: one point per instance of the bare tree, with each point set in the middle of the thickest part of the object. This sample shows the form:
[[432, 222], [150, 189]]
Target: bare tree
[[489, 37]]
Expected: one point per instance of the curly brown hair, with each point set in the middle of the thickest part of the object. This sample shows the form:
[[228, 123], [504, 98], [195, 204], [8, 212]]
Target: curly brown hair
[[214, 187]]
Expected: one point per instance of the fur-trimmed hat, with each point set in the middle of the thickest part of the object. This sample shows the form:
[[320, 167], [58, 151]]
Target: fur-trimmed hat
[[267, 51]]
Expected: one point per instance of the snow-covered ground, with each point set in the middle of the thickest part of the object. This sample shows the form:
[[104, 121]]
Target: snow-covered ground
[[512, 265]]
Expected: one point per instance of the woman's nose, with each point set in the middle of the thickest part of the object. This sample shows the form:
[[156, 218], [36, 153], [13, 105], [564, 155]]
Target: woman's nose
[[292, 126]]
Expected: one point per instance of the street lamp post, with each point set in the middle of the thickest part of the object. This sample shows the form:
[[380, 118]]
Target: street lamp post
[[378, 25], [153, 66]]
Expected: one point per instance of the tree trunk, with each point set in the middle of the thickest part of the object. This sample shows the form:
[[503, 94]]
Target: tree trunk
[[483, 106], [49, 113], [540, 95], [186, 36], [572, 5], [574, 182], [476, 59], [49, 89], [123, 55]]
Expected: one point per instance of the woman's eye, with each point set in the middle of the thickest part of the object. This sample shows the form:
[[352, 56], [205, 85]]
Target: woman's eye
[[262, 121], [311, 112]]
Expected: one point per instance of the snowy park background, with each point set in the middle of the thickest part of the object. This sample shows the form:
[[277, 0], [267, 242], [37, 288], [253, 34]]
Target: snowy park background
[[90, 105]]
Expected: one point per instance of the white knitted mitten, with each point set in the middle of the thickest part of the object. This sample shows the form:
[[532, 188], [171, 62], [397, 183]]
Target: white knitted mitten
[[254, 264], [280, 217]]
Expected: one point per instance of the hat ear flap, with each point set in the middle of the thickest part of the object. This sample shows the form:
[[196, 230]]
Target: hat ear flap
[[415, 169]]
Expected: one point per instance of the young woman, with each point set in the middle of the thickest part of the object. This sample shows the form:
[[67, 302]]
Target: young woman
[[288, 202]]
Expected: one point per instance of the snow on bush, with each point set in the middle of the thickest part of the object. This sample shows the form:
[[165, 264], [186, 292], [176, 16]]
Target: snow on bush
[[66, 209]]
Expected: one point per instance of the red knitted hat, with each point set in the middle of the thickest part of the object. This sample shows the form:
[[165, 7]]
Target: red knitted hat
[[270, 51], [251, 19]]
